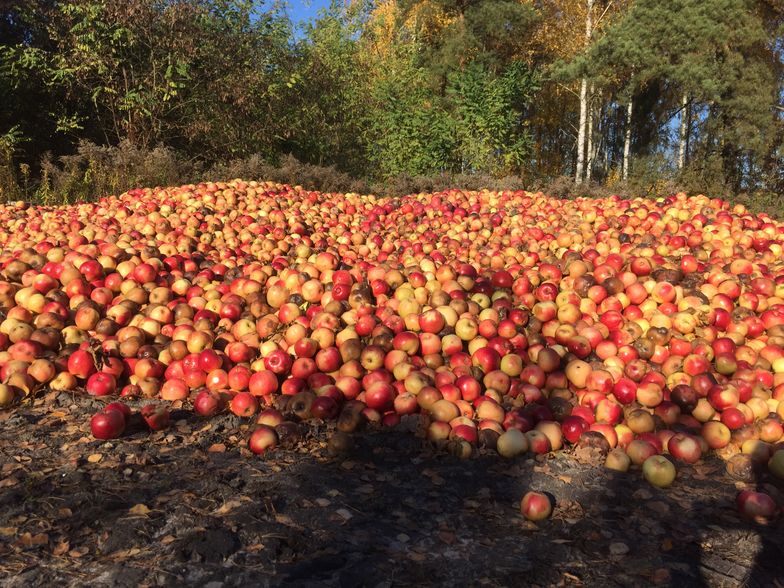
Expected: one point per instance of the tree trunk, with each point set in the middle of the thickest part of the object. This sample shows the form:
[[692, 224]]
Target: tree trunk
[[581, 132], [683, 133], [578, 177], [627, 140], [589, 154]]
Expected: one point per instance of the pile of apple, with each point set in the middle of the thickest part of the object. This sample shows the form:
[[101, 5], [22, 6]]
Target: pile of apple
[[510, 320]]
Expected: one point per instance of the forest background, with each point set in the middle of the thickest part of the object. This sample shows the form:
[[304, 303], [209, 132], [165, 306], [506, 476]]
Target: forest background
[[571, 97]]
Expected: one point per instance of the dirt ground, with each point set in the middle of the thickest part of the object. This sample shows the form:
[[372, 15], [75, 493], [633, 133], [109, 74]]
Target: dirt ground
[[191, 506]]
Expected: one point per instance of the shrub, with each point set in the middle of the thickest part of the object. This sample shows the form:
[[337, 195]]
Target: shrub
[[95, 171]]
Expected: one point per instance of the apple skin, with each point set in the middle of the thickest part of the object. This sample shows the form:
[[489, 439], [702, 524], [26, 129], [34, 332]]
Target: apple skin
[[567, 319], [756, 506], [536, 506], [122, 407], [512, 443], [244, 404], [617, 460], [716, 434], [684, 448], [107, 424], [659, 471], [156, 416], [263, 439], [573, 427], [208, 403], [776, 464]]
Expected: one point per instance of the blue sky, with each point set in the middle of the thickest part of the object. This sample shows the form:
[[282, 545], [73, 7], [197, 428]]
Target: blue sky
[[304, 10]]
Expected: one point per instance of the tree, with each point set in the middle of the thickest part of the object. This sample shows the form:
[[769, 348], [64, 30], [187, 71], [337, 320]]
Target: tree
[[448, 87], [329, 88], [187, 74], [582, 128], [711, 51]]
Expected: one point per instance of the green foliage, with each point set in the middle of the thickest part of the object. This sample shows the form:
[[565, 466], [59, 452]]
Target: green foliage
[[715, 52], [327, 125], [412, 134], [489, 113], [413, 93]]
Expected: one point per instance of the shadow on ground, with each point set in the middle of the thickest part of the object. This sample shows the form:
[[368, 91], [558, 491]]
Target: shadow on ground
[[177, 509]]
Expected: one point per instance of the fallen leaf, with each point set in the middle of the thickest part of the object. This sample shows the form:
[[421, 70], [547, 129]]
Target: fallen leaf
[[79, 552], [231, 505], [572, 577], [216, 448], [94, 457], [139, 510], [8, 531], [166, 539], [61, 548], [126, 553], [30, 540], [565, 479], [8, 482]]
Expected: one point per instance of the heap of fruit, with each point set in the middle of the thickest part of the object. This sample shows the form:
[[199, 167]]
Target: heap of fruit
[[505, 320]]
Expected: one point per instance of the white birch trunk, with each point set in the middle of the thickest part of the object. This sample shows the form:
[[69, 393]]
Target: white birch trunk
[[627, 140], [683, 133], [581, 131], [589, 149]]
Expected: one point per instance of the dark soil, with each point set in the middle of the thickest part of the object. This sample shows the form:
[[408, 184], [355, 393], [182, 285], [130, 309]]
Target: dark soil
[[191, 506]]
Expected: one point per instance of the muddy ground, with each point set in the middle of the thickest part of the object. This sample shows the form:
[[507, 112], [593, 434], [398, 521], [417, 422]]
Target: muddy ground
[[191, 506]]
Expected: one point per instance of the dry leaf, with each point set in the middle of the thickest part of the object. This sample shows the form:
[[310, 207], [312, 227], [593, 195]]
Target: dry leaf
[[126, 553], [79, 552], [231, 505], [8, 482], [8, 531], [168, 539], [61, 548], [94, 457], [139, 510], [216, 448], [30, 540]]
